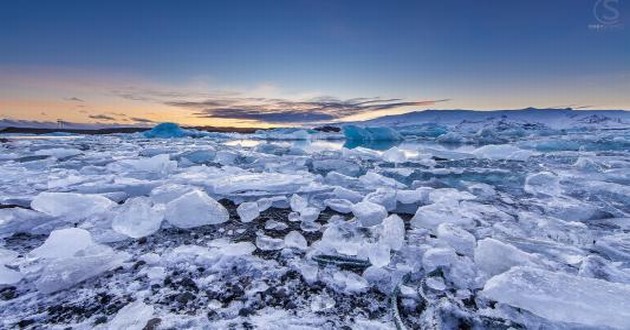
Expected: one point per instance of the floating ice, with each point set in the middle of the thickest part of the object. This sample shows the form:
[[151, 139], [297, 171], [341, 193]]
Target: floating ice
[[459, 239], [134, 316], [138, 217], [394, 155], [298, 203], [64, 243], [503, 151], [495, 257], [573, 300], [166, 130], [393, 232], [339, 205], [195, 209], [8, 276], [544, 183], [368, 213], [248, 211], [267, 243], [295, 240], [71, 206], [68, 257], [356, 133]]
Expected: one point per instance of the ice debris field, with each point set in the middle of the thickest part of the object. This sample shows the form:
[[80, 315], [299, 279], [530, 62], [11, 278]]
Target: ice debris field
[[496, 223]]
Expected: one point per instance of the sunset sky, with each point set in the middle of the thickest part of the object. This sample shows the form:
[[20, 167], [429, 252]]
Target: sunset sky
[[262, 63]]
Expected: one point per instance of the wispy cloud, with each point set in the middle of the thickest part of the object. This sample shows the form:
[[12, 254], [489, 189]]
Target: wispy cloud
[[74, 99], [288, 111], [103, 117], [141, 120]]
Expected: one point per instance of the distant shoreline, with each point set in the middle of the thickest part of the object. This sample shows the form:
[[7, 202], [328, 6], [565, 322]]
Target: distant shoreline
[[28, 130]]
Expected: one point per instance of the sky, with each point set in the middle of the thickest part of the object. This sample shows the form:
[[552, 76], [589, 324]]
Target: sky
[[283, 63]]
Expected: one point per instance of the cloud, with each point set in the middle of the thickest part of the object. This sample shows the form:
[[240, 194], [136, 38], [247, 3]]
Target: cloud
[[141, 120], [102, 117], [74, 99], [288, 111]]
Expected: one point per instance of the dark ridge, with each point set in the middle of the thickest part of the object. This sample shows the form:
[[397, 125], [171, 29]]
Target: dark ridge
[[27, 130]]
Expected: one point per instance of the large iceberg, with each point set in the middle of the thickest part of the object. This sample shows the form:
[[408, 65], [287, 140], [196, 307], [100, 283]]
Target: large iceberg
[[573, 300], [167, 130]]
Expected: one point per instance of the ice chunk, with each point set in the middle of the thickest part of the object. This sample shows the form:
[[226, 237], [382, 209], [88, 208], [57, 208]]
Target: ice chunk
[[419, 195], [393, 232], [378, 254], [502, 151], [356, 133], [138, 217], [464, 214], [298, 203], [64, 243], [68, 257], [322, 302], [616, 247], [383, 196], [495, 257], [166, 130], [159, 164], [168, 192], [339, 205], [309, 214], [459, 239], [597, 267], [574, 300], [195, 209], [543, 183], [394, 155], [275, 225], [59, 152], [340, 165], [248, 211], [295, 240], [375, 180], [351, 195], [71, 206], [134, 316], [267, 243], [368, 213], [9, 276], [438, 257]]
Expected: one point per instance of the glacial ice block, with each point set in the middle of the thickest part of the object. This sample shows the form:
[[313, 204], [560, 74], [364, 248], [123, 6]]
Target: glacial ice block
[[564, 298], [70, 206], [195, 209], [166, 130], [356, 133]]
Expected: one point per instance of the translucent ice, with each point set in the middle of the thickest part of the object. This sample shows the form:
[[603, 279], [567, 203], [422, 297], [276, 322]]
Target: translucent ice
[[368, 213], [495, 257], [573, 300], [356, 133], [195, 209], [134, 316], [248, 211], [267, 243], [68, 257], [295, 240], [393, 232], [543, 183], [459, 239], [71, 206], [166, 130], [138, 217], [339, 205]]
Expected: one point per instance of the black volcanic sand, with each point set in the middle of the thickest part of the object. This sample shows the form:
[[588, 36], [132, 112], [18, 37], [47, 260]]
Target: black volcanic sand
[[96, 300]]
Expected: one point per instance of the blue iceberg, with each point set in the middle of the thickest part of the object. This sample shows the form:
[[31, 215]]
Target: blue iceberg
[[166, 130], [356, 133]]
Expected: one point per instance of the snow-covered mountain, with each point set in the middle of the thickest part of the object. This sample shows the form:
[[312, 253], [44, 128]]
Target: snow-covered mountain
[[555, 118]]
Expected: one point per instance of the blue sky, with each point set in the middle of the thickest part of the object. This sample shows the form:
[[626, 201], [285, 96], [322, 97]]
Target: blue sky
[[148, 58]]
